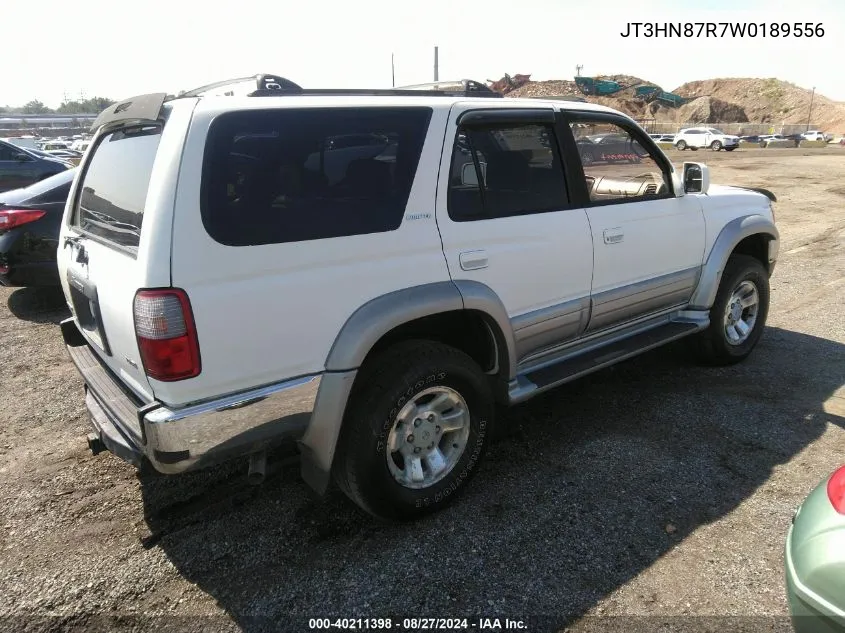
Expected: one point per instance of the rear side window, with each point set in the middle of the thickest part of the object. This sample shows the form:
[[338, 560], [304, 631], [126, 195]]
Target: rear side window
[[115, 183], [285, 175]]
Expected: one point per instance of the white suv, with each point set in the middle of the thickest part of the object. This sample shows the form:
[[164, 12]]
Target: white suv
[[698, 137], [371, 272], [816, 135]]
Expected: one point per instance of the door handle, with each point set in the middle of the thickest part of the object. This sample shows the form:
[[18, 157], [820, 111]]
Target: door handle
[[473, 260], [613, 236]]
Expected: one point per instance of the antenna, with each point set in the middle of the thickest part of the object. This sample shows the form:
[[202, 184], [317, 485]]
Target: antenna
[[578, 68], [436, 68], [392, 72]]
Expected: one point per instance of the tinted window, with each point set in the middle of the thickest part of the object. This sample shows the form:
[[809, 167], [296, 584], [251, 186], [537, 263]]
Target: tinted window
[[115, 183], [500, 171], [290, 175], [8, 152], [619, 169], [52, 189]]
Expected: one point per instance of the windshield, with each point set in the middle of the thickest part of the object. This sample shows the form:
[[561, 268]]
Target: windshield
[[714, 130]]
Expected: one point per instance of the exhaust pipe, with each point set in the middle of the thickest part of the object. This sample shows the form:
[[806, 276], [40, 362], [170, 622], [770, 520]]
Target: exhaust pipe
[[257, 468]]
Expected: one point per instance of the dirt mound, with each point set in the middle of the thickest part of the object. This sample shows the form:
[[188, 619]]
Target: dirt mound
[[771, 101], [626, 80], [713, 101], [553, 88], [711, 110]]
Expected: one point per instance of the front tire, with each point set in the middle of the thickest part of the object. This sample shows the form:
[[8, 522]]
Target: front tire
[[738, 315], [415, 431], [681, 145], [716, 146]]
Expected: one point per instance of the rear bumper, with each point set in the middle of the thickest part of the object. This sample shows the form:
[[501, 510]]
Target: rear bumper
[[176, 440]]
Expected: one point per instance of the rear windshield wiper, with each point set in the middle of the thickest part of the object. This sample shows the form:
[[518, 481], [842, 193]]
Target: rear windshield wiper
[[113, 222]]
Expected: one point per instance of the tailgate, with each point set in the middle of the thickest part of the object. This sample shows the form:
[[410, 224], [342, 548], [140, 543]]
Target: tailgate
[[101, 260]]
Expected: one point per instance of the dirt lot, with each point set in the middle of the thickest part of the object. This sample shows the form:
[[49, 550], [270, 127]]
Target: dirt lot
[[654, 490]]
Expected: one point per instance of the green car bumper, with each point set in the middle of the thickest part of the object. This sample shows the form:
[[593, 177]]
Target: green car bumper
[[815, 565]]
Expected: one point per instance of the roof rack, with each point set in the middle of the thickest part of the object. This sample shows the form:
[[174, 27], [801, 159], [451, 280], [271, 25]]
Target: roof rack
[[254, 83], [266, 85], [465, 86]]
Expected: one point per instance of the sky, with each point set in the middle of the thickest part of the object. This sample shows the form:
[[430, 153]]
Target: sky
[[117, 49]]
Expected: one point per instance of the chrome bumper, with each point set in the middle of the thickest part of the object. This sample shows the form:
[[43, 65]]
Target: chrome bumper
[[176, 440]]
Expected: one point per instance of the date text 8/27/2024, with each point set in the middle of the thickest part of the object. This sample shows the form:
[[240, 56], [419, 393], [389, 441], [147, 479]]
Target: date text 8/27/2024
[[418, 624], [723, 29]]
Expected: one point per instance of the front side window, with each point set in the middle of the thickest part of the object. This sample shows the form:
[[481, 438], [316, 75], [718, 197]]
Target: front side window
[[504, 170], [617, 167], [291, 175], [114, 187]]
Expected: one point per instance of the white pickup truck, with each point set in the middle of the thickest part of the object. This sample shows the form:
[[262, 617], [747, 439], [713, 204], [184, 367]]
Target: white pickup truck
[[371, 272]]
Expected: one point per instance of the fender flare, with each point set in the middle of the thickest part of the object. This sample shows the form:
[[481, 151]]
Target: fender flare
[[362, 331], [380, 315], [731, 234]]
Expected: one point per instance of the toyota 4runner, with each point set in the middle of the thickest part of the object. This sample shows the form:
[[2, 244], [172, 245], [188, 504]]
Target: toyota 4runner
[[371, 272]]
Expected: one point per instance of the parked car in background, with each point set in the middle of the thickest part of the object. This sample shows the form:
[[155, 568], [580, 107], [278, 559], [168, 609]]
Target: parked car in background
[[815, 559], [20, 167], [795, 138], [30, 220], [765, 139], [752, 138], [27, 142], [80, 145], [816, 135], [53, 145], [65, 154], [608, 148], [698, 137]]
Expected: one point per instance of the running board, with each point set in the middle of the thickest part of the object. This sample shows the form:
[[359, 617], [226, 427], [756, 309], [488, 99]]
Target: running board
[[536, 381]]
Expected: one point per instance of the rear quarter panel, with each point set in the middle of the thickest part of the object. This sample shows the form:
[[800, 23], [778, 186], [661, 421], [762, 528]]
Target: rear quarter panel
[[272, 312]]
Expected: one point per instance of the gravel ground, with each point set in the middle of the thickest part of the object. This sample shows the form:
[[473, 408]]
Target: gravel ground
[[657, 491]]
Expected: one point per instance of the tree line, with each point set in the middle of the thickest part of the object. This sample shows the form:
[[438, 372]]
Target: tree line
[[94, 105]]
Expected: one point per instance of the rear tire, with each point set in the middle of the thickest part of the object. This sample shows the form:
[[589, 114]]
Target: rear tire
[[401, 455], [738, 315]]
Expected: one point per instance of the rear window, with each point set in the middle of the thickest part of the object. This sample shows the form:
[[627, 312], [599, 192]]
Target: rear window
[[284, 175], [115, 183]]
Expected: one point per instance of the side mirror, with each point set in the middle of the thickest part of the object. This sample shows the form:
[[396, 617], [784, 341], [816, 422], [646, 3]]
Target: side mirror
[[696, 178], [469, 177]]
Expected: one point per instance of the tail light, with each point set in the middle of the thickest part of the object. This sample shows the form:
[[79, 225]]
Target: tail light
[[836, 490], [11, 218], [167, 336]]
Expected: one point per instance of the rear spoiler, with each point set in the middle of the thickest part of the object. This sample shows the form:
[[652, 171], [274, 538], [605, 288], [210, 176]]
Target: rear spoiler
[[140, 108]]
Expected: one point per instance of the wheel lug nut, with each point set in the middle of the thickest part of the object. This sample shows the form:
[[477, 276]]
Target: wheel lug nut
[[416, 449], [417, 422], [430, 446], [410, 438], [431, 417], [437, 429]]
